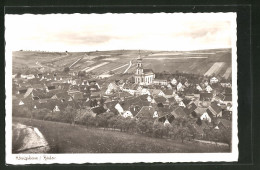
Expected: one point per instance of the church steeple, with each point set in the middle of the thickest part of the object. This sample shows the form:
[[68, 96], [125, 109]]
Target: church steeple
[[139, 69]]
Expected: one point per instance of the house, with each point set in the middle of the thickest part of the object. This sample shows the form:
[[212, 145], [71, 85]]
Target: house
[[145, 91], [208, 89], [173, 81], [22, 91], [206, 96], [56, 109], [198, 87], [50, 87], [213, 80], [156, 92], [38, 86], [149, 98], [161, 82], [127, 114], [180, 87], [178, 112], [28, 92], [160, 99], [214, 110], [205, 116], [187, 84], [30, 76], [166, 123], [191, 107], [168, 93], [169, 86], [224, 98], [112, 88], [21, 103], [119, 108], [98, 110], [146, 112], [226, 114], [182, 104], [177, 98]]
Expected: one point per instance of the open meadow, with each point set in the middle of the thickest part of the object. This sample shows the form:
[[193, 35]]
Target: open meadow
[[66, 138]]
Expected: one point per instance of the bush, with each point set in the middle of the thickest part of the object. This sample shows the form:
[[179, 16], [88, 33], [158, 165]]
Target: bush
[[158, 129], [66, 69]]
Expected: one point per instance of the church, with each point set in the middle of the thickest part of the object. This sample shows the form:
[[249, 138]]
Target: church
[[143, 76]]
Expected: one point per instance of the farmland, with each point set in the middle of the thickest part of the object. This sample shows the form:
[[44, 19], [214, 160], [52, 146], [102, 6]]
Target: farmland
[[79, 139], [203, 62]]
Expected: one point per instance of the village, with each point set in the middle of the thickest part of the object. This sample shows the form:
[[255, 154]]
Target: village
[[196, 105]]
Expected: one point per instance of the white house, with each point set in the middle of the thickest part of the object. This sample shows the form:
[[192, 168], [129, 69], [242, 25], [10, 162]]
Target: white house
[[153, 101], [180, 87], [182, 104], [169, 86], [149, 99], [208, 89], [127, 114], [160, 82], [112, 87], [174, 81], [145, 91], [23, 76], [205, 116], [166, 122], [56, 109], [177, 98], [155, 114], [213, 80], [198, 87], [119, 108], [21, 103]]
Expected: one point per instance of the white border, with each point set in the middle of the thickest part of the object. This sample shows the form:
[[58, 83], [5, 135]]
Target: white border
[[129, 157]]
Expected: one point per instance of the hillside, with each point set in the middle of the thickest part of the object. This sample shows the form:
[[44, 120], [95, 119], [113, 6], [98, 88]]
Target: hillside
[[204, 62], [65, 138]]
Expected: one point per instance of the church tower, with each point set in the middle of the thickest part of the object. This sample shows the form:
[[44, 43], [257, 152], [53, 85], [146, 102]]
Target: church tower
[[143, 76], [139, 69]]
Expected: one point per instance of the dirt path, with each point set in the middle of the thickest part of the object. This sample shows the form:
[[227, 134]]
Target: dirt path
[[130, 64], [27, 139]]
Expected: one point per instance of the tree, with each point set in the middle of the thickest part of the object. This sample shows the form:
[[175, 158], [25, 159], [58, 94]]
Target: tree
[[40, 113], [120, 123], [89, 120], [66, 69], [69, 114], [183, 133], [81, 74], [145, 126], [112, 122], [158, 129]]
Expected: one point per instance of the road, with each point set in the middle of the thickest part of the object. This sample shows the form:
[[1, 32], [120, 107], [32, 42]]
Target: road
[[130, 64]]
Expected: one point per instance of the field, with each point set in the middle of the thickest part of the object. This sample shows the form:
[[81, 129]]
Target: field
[[204, 62], [65, 138]]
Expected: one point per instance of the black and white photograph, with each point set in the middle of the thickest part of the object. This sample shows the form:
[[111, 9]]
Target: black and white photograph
[[121, 88]]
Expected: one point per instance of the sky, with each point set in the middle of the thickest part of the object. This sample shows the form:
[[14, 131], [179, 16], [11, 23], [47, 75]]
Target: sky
[[91, 32]]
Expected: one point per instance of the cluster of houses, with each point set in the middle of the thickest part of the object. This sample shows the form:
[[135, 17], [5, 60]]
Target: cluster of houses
[[155, 99]]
